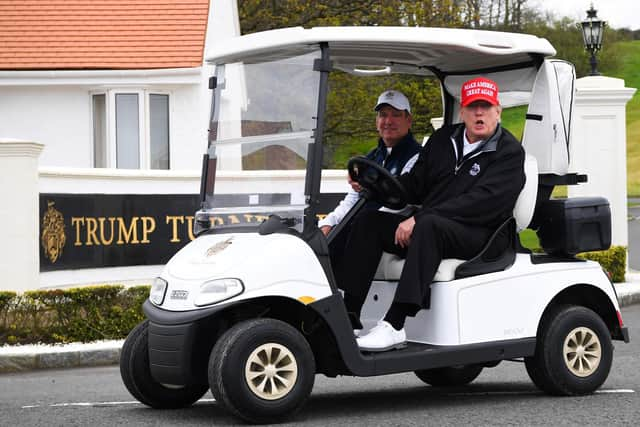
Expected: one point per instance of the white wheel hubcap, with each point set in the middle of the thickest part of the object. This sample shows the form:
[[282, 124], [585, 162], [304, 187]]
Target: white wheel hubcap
[[582, 351], [271, 371]]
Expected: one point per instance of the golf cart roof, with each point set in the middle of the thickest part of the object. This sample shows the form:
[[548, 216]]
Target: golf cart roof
[[391, 49]]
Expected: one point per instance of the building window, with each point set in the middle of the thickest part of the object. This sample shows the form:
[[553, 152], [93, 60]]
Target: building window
[[159, 131], [127, 131], [131, 130], [100, 131]]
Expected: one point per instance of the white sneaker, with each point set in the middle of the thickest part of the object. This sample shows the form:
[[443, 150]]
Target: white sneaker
[[382, 337], [357, 332]]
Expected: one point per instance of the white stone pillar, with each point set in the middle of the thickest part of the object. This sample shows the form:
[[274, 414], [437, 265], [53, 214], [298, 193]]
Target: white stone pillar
[[599, 144], [19, 262]]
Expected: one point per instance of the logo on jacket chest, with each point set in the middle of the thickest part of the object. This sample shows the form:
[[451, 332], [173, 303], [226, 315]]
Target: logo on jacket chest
[[475, 169]]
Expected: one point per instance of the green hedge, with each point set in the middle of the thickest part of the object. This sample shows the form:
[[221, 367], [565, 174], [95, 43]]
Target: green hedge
[[613, 260], [70, 315]]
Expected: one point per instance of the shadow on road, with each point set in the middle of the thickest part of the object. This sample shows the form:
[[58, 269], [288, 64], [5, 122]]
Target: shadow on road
[[385, 403], [325, 407]]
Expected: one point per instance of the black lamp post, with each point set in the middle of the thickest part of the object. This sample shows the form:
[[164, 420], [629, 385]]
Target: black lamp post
[[592, 30]]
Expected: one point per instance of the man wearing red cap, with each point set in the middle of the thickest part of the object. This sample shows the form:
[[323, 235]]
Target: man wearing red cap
[[467, 180]]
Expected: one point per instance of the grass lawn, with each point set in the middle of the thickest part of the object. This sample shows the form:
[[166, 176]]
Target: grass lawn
[[529, 239], [630, 73], [513, 120]]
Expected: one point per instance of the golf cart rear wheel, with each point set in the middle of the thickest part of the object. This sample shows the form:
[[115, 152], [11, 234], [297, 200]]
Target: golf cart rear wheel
[[573, 353], [262, 370], [136, 375], [450, 376]]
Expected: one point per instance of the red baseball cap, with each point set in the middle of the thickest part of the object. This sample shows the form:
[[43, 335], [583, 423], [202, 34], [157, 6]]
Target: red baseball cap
[[479, 89]]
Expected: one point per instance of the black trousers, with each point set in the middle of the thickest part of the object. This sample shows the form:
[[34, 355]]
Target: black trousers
[[337, 246], [433, 239]]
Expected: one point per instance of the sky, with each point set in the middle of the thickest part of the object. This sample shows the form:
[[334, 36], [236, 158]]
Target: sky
[[617, 13]]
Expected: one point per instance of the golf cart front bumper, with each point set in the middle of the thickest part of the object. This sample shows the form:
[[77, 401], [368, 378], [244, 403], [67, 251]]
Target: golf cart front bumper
[[179, 344]]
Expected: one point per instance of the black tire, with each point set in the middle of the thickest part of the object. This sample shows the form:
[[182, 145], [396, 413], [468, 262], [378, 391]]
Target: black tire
[[262, 341], [555, 367], [450, 376], [136, 375], [535, 373]]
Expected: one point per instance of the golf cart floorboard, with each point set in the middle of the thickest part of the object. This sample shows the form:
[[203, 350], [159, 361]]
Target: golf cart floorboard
[[416, 356], [411, 347]]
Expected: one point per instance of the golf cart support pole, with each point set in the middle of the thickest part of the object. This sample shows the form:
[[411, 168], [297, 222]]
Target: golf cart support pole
[[314, 169]]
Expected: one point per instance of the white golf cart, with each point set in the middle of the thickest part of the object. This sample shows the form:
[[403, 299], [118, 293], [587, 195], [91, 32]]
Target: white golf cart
[[251, 310]]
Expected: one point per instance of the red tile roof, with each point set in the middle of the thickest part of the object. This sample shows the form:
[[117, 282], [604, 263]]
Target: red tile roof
[[102, 34]]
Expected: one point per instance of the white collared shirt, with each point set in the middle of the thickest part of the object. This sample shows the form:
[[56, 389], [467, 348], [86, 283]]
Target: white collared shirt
[[468, 147]]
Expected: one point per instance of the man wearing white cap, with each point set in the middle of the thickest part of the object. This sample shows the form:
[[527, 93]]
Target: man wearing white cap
[[397, 151], [466, 180]]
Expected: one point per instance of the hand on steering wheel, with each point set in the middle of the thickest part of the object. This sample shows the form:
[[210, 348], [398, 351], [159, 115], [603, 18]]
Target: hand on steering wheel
[[378, 184]]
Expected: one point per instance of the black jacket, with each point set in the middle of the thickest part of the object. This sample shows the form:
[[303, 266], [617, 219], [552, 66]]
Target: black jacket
[[400, 154], [479, 189]]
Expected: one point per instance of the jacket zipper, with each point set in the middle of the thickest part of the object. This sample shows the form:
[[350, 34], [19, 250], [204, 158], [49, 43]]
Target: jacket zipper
[[477, 153], [455, 172]]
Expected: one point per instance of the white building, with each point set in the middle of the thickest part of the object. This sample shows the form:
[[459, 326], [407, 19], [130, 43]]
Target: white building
[[120, 86], [118, 96]]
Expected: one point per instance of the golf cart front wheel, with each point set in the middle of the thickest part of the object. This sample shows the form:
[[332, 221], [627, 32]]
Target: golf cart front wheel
[[262, 370], [573, 354], [450, 376], [136, 375]]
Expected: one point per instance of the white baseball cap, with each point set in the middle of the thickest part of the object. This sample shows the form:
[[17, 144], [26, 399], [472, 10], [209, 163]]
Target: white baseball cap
[[395, 99]]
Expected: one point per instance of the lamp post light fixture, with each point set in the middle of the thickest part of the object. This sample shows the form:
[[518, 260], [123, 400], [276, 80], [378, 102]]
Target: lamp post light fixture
[[592, 29]]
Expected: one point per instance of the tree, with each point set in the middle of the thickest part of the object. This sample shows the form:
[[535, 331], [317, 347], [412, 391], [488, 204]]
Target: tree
[[260, 15], [473, 13], [566, 37], [350, 124], [350, 128]]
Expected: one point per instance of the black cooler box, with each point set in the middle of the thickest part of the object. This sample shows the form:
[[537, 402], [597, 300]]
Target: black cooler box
[[573, 225]]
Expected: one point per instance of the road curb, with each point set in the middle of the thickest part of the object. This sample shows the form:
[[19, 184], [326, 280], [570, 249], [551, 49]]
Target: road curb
[[58, 358], [629, 299], [628, 293]]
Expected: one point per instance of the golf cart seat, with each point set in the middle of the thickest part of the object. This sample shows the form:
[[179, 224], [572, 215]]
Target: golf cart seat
[[491, 258]]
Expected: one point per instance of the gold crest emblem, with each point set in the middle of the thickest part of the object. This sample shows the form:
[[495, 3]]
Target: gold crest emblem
[[219, 247], [53, 237]]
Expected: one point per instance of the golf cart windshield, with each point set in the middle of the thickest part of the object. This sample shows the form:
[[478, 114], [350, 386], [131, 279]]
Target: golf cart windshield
[[274, 107], [263, 118]]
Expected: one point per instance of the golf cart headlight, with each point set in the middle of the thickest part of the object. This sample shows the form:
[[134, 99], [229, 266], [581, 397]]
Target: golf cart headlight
[[158, 291], [218, 290]]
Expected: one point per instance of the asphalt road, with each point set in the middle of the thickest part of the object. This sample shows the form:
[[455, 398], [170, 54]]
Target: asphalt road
[[501, 395]]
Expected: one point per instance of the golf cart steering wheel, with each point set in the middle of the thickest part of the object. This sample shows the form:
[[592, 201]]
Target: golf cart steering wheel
[[377, 183]]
